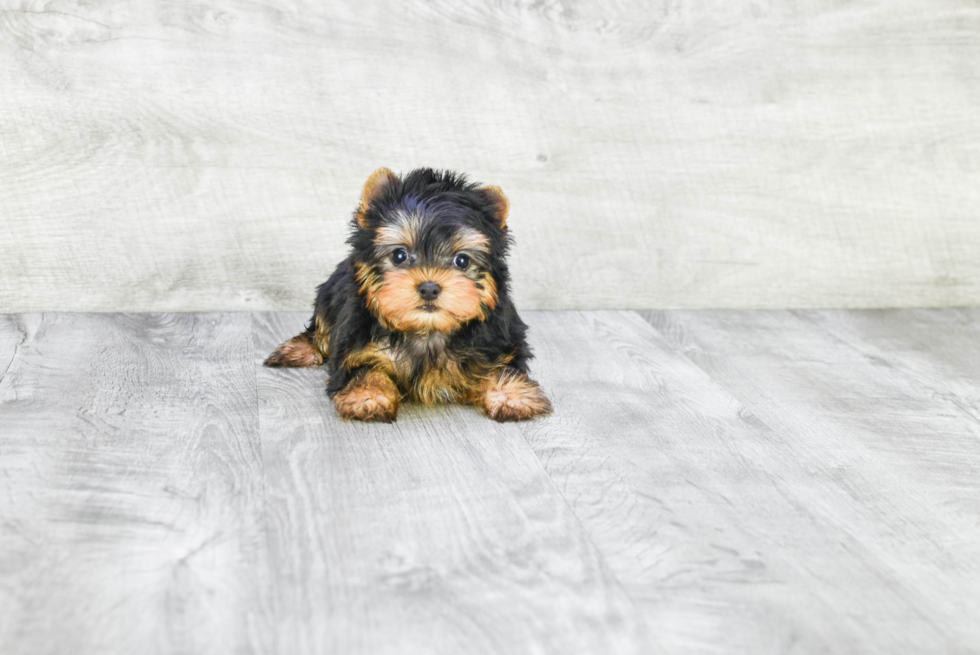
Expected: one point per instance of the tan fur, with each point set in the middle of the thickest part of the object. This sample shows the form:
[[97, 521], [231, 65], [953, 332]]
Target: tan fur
[[470, 239], [511, 396], [403, 232], [394, 299], [367, 279], [488, 294], [321, 336], [370, 284], [397, 304], [504, 394], [446, 384], [453, 381], [371, 396], [375, 183], [500, 201], [375, 356], [446, 380], [299, 351]]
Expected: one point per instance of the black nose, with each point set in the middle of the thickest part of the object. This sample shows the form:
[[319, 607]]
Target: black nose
[[429, 291]]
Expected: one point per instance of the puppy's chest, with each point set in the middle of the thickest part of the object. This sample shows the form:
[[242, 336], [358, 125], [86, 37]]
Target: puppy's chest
[[425, 369], [413, 356]]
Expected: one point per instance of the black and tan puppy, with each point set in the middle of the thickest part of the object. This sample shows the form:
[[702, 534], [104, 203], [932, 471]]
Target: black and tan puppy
[[420, 309]]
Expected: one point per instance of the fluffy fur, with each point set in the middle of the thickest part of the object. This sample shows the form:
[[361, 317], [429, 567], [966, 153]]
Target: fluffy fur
[[421, 309]]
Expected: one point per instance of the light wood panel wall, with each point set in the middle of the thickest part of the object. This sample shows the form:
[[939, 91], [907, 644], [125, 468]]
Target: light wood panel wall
[[159, 156]]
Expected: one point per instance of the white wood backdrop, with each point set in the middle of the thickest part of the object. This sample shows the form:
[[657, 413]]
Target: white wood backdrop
[[169, 156]]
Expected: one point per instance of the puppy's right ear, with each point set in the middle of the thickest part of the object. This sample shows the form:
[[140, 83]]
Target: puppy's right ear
[[378, 181], [499, 202]]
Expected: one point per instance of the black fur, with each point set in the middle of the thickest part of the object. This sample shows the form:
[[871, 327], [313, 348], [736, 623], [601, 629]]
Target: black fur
[[446, 201]]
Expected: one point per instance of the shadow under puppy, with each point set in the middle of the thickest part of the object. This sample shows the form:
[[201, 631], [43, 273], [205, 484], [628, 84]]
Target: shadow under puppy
[[420, 309]]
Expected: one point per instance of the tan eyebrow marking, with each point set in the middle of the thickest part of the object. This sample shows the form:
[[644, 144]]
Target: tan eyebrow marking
[[469, 239], [393, 235], [403, 232]]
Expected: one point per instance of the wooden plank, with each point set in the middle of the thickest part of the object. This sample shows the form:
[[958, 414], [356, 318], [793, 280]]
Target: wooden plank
[[936, 348], [131, 499], [14, 338], [440, 533], [734, 531], [666, 154], [891, 464], [805, 487]]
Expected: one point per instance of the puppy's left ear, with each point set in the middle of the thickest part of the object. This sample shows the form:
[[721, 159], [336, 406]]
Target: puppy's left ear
[[500, 203], [373, 188]]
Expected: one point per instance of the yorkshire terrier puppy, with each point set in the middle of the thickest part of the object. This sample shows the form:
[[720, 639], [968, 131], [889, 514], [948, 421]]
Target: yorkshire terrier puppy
[[420, 309]]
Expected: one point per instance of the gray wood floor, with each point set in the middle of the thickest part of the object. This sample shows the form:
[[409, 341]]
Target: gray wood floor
[[710, 482]]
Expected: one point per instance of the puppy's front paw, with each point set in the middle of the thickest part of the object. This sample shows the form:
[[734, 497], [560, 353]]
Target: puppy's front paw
[[514, 397], [371, 397]]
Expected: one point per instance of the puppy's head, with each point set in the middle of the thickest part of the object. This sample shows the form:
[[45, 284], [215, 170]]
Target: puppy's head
[[429, 249]]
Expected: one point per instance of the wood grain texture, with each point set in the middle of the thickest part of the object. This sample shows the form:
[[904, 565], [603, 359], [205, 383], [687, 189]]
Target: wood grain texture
[[746, 529], [890, 456], [936, 349], [440, 533], [710, 482], [131, 501], [160, 156]]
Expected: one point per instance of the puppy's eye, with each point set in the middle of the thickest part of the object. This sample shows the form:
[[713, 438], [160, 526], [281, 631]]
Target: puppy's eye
[[400, 256], [462, 261]]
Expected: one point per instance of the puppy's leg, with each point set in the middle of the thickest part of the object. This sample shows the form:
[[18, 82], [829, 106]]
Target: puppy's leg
[[370, 396], [509, 395], [311, 348], [298, 351]]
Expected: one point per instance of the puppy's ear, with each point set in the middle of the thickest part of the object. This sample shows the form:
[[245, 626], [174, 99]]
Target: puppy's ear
[[378, 181], [501, 206]]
